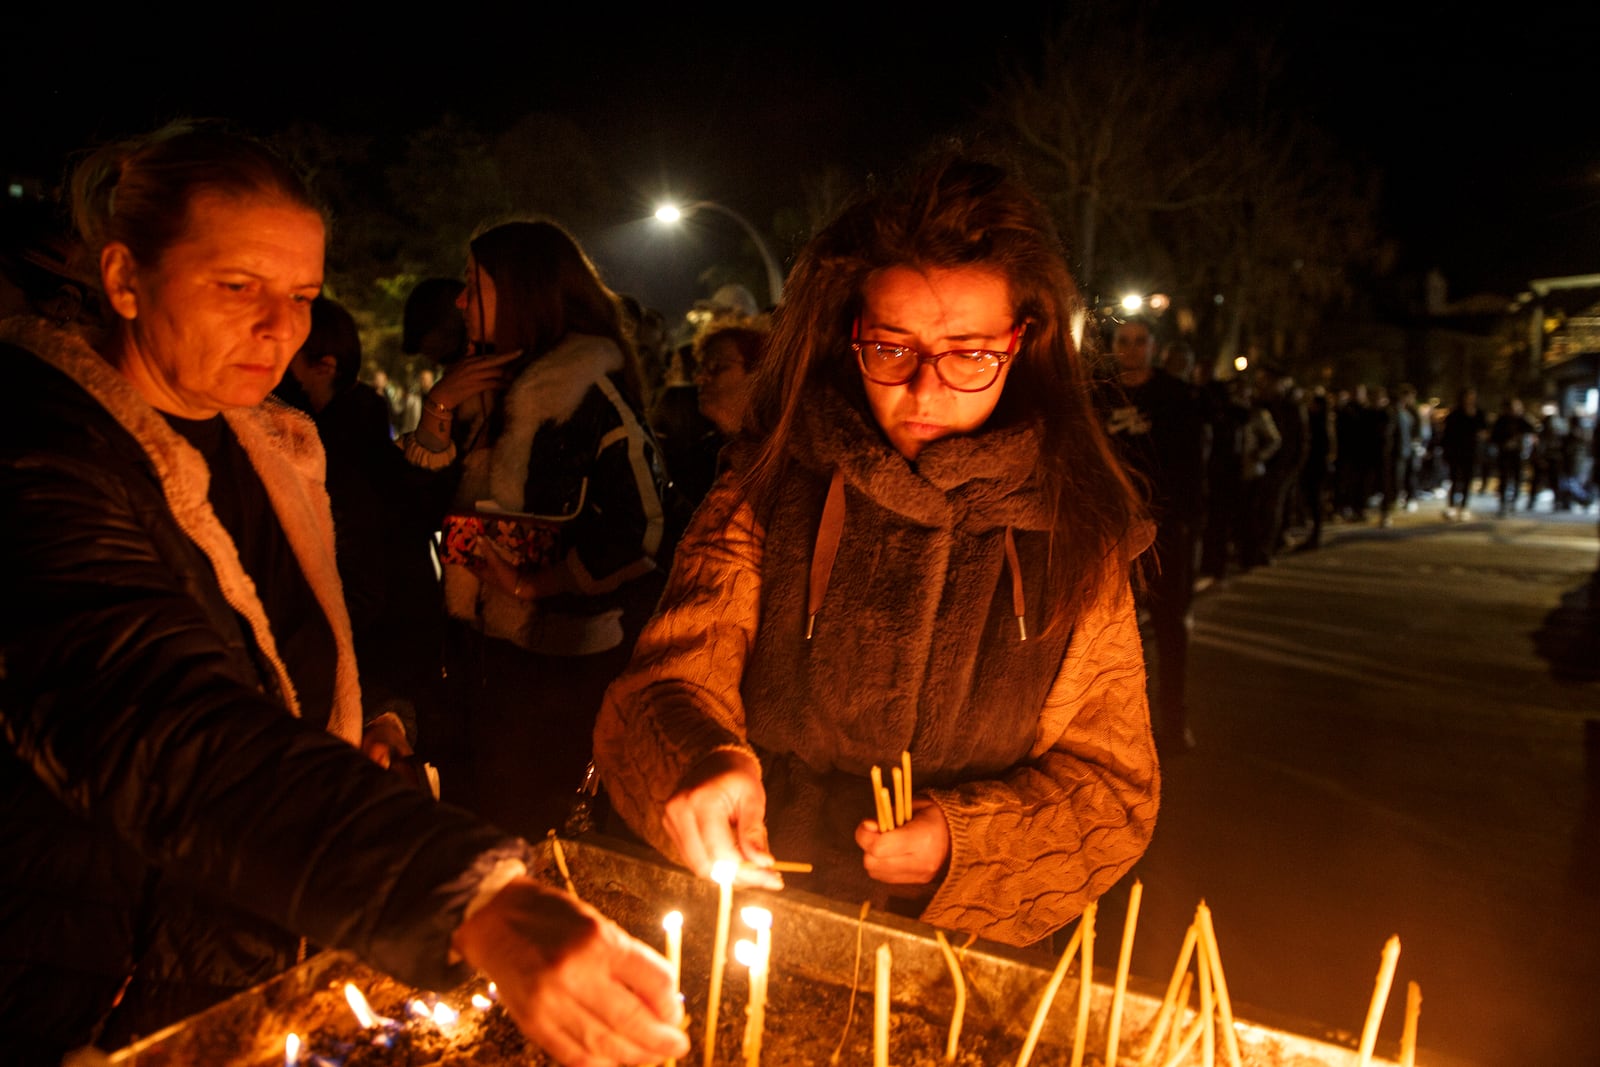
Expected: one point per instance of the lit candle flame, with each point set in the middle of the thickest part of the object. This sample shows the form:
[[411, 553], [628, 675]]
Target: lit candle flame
[[358, 1004], [481, 1002], [672, 921], [756, 918], [416, 1006], [291, 1050], [745, 952], [723, 871], [494, 991], [444, 1014]]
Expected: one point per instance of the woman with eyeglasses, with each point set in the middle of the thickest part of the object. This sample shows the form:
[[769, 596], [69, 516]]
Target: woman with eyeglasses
[[922, 544]]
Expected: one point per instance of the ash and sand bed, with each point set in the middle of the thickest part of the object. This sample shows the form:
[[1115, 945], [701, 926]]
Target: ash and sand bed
[[814, 954]]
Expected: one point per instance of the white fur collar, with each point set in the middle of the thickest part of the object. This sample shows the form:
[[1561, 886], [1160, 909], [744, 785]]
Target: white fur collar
[[549, 390]]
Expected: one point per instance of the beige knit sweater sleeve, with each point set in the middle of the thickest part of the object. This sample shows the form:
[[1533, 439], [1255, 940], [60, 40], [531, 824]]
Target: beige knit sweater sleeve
[[1029, 851], [678, 700]]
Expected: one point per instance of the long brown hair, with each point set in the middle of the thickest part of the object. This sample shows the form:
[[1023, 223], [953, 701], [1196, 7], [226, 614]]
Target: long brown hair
[[959, 211], [545, 288]]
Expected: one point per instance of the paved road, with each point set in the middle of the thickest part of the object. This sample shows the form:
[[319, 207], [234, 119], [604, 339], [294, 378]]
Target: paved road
[[1392, 741]]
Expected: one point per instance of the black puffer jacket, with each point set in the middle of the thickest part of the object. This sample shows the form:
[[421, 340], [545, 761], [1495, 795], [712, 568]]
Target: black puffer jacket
[[168, 823]]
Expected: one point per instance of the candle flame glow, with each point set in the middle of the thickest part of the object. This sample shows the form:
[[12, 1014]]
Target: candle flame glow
[[481, 1002], [723, 871], [494, 991], [444, 1014], [672, 920], [756, 918], [358, 1004], [745, 952], [419, 1008], [291, 1050]]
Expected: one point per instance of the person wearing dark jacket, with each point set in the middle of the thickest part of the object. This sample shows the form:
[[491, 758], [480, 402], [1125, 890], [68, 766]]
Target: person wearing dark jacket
[[1158, 429], [182, 802]]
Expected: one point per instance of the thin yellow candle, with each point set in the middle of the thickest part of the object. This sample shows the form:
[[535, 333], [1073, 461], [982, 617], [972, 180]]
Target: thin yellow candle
[[1181, 1048], [746, 953], [1177, 1020], [759, 920], [561, 862], [1380, 997], [790, 867], [1208, 1004], [1085, 982], [905, 770], [902, 810], [1219, 984], [960, 981], [1124, 961], [880, 1010], [672, 922], [885, 813], [1049, 997], [1408, 1037], [1164, 1017], [722, 872]]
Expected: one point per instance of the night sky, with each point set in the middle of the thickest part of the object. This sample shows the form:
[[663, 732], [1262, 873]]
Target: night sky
[[1485, 133]]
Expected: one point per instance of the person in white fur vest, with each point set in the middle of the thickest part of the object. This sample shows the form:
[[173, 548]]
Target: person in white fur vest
[[550, 549]]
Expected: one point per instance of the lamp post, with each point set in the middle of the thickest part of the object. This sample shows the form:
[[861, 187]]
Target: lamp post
[[672, 213]]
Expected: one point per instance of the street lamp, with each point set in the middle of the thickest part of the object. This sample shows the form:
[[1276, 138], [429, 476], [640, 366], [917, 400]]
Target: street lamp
[[673, 213]]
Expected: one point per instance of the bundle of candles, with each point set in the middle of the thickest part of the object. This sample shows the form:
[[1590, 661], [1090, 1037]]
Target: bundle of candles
[[893, 806]]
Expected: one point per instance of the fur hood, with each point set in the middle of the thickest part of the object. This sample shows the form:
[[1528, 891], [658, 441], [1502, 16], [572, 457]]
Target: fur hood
[[974, 482], [549, 390], [284, 448]]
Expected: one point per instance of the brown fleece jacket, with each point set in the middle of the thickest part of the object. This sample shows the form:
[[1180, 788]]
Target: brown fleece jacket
[[1038, 752]]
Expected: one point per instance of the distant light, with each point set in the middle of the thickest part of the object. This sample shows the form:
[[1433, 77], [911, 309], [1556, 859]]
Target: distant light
[[1217, 300], [668, 213], [1160, 301], [15, 190], [1132, 302], [1240, 363]]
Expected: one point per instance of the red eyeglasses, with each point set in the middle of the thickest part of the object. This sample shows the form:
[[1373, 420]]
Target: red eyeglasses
[[966, 370]]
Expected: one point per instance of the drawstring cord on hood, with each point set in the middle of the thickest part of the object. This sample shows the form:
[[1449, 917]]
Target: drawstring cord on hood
[[1017, 607], [831, 529]]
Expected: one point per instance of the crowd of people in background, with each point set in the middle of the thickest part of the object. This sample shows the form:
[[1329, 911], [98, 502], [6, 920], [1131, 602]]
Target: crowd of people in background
[[1282, 460]]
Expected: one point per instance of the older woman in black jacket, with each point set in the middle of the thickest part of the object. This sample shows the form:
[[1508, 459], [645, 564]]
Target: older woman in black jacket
[[183, 807]]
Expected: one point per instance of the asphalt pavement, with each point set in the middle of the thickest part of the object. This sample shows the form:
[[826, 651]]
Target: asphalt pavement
[[1398, 734]]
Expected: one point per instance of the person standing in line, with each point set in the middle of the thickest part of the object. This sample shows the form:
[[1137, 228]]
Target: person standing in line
[[1510, 435], [1155, 423], [1463, 432], [1321, 446]]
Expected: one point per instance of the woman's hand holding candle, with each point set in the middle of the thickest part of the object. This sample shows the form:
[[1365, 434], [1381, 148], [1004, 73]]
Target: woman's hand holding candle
[[719, 813], [914, 854], [573, 980]]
